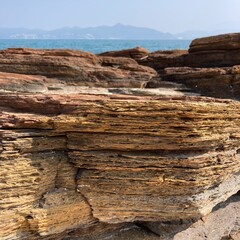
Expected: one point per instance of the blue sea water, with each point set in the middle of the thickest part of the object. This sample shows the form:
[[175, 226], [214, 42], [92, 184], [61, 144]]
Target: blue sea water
[[95, 46]]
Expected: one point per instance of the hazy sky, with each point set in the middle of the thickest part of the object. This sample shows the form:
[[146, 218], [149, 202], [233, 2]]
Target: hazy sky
[[164, 15]]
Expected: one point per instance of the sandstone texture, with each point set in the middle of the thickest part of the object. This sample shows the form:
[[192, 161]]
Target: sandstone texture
[[124, 145], [76, 67], [137, 53]]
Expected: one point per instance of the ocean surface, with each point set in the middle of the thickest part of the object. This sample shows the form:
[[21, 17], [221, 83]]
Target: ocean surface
[[95, 46]]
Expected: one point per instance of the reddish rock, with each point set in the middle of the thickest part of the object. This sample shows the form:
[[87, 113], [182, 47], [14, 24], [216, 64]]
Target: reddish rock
[[216, 51], [214, 82], [76, 67], [137, 53], [220, 42], [161, 59]]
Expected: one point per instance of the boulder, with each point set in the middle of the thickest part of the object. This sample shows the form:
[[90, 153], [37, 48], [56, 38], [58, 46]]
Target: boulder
[[216, 51], [136, 53], [84, 157], [162, 59], [229, 41], [214, 82]]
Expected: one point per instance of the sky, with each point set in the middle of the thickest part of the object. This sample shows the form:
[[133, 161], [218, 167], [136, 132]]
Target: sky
[[173, 16]]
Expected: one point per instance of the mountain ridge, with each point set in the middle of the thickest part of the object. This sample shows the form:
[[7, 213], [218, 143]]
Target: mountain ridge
[[117, 31]]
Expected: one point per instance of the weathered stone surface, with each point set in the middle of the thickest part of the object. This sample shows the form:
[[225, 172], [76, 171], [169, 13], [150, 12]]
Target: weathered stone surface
[[214, 58], [79, 161], [129, 158], [219, 42], [214, 82], [222, 223], [162, 59], [137, 53], [76, 67], [216, 51]]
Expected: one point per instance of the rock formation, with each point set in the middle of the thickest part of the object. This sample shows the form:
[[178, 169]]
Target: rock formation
[[84, 158], [76, 67]]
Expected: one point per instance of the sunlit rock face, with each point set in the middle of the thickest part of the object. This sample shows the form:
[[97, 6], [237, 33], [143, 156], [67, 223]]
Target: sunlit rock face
[[86, 151]]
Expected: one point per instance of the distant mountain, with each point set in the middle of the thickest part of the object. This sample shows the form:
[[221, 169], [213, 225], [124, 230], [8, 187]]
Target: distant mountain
[[117, 31]]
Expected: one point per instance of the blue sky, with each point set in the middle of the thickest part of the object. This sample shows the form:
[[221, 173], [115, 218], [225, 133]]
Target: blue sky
[[164, 15]]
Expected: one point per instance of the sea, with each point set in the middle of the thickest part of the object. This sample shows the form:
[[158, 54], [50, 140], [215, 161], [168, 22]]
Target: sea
[[94, 46]]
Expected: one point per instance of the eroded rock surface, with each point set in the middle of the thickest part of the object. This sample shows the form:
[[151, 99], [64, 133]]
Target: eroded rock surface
[[87, 152], [215, 82], [76, 160], [137, 53], [76, 67]]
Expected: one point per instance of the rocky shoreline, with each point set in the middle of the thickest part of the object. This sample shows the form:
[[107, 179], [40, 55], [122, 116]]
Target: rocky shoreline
[[128, 144]]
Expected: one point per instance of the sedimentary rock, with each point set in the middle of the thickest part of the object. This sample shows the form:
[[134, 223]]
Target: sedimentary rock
[[76, 67], [129, 158], [217, 51], [214, 82], [162, 59], [137, 53], [83, 161], [220, 42]]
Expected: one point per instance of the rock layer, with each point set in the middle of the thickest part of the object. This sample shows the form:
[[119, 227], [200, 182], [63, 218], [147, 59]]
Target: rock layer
[[84, 157], [76, 67], [138, 158]]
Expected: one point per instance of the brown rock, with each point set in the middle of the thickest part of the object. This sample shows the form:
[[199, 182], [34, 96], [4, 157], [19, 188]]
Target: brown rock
[[137, 53], [129, 158], [213, 58], [219, 42], [162, 59], [214, 82], [76, 67], [215, 51]]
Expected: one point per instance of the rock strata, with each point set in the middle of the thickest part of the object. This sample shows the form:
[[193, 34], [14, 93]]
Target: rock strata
[[76, 67], [117, 146], [130, 159], [205, 80], [137, 53]]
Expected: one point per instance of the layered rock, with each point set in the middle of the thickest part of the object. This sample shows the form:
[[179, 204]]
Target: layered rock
[[216, 51], [76, 67], [162, 59], [71, 161], [220, 42], [137, 53], [82, 156], [214, 82]]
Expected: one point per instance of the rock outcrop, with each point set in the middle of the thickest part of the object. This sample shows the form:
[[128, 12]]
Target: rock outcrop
[[76, 67], [162, 59], [114, 159], [214, 82], [137, 53], [86, 152]]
